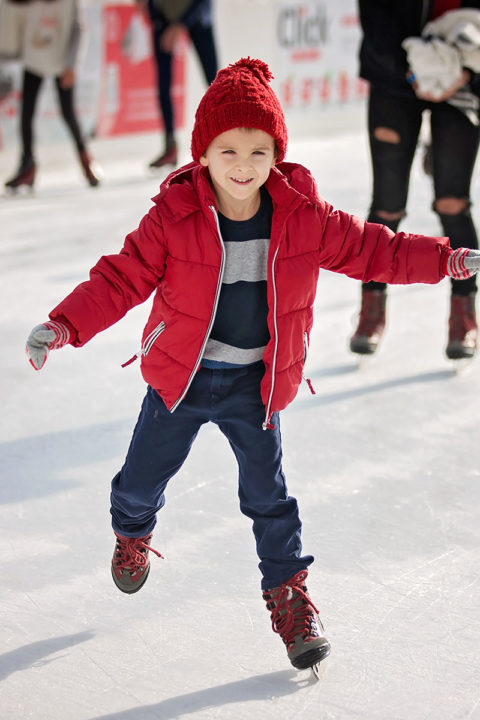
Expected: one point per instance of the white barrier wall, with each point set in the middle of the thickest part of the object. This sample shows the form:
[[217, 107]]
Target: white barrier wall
[[310, 45]]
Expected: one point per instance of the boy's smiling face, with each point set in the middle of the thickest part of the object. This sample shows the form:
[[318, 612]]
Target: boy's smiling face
[[239, 162]]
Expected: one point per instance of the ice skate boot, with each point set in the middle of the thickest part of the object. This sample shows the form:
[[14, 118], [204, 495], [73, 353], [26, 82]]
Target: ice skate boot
[[462, 327], [24, 177], [130, 563], [168, 157], [295, 618], [371, 322], [90, 169]]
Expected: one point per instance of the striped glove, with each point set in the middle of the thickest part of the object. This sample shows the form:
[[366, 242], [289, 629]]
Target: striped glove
[[463, 263], [52, 335]]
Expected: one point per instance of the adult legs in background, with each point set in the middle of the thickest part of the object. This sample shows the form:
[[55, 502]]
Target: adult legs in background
[[203, 41], [25, 174], [164, 62], [394, 124], [67, 107], [204, 44], [455, 142]]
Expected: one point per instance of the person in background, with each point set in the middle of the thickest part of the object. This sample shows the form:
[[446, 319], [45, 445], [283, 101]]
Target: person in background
[[397, 102], [168, 19], [49, 46]]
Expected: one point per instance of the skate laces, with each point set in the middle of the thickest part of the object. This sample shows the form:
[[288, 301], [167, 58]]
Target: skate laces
[[132, 553], [291, 609]]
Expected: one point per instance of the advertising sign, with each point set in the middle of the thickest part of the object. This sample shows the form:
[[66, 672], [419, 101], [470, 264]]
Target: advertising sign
[[317, 53]]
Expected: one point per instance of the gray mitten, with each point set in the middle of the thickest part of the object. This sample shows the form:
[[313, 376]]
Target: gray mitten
[[43, 338], [463, 263]]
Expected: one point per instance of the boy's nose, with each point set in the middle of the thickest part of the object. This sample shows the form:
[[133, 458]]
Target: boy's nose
[[242, 165]]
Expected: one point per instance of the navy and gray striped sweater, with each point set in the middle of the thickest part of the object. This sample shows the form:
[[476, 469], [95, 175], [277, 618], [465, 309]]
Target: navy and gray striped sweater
[[240, 333]]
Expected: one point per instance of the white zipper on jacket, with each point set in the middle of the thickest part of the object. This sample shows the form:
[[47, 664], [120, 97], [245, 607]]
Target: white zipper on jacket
[[146, 345], [265, 424], [212, 318]]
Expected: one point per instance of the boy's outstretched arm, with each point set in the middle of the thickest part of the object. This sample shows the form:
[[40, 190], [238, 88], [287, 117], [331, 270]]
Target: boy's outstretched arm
[[371, 251], [117, 283]]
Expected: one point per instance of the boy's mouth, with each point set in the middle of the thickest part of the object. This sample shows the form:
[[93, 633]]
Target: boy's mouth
[[239, 181]]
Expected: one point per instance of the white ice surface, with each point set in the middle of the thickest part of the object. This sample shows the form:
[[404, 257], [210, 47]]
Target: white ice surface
[[384, 460]]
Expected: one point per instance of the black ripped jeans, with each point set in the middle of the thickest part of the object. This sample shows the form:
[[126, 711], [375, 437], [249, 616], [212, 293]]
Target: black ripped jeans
[[455, 142]]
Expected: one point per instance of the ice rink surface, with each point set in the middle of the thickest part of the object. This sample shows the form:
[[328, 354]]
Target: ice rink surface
[[384, 460]]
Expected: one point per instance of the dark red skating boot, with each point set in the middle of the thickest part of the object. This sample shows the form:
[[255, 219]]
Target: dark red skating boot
[[90, 169], [24, 177], [462, 327], [130, 563], [371, 322], [168, 157], [295, 618]]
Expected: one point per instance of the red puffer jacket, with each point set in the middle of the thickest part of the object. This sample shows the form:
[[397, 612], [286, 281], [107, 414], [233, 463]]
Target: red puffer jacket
[[177, 251]]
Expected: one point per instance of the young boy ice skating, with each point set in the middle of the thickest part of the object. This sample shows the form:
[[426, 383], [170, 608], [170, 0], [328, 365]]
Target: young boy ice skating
[[232, 248]]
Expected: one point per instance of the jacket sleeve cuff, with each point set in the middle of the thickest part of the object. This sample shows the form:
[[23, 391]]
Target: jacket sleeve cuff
[[73, 333], [446, 252]]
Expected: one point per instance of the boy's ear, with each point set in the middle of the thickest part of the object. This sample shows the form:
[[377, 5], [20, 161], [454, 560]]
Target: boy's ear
[[275, 155], [203, 160]]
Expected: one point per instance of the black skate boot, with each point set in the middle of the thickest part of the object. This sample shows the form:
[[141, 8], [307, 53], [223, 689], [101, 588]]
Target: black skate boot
[[462, 327], [371, 322], [168, 157], [25, 175], [90, 169], [295, 618], [130, 563]]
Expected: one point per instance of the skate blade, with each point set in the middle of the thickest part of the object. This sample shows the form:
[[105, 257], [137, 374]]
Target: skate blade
[[462, 365], [20, 191], [365, 361], [318, 672]]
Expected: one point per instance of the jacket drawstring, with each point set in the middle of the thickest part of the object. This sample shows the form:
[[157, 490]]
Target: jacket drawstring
[[132, 359], [310, 385]]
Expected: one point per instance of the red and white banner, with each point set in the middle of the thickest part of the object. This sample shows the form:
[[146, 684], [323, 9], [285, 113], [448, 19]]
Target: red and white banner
[[317, 44], [128, 101]]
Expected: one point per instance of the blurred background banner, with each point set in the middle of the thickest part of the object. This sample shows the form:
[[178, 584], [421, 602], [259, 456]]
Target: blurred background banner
[[128, 95]]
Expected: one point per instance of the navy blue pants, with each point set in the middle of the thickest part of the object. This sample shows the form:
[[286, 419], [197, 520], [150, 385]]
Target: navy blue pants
[[162, 440]]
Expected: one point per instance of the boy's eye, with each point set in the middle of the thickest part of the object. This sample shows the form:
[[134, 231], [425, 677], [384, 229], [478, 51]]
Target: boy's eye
[[258, 152], [227, 152]]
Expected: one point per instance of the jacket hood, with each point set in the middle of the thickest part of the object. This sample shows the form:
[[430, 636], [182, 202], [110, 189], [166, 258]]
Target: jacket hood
[[294, 179], [188, 189]]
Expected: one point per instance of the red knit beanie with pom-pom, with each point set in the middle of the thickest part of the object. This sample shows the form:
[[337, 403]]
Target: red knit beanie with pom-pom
[[240, 96]]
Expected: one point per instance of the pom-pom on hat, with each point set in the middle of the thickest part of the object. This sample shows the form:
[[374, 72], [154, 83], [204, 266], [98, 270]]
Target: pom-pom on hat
[[240, 96]]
